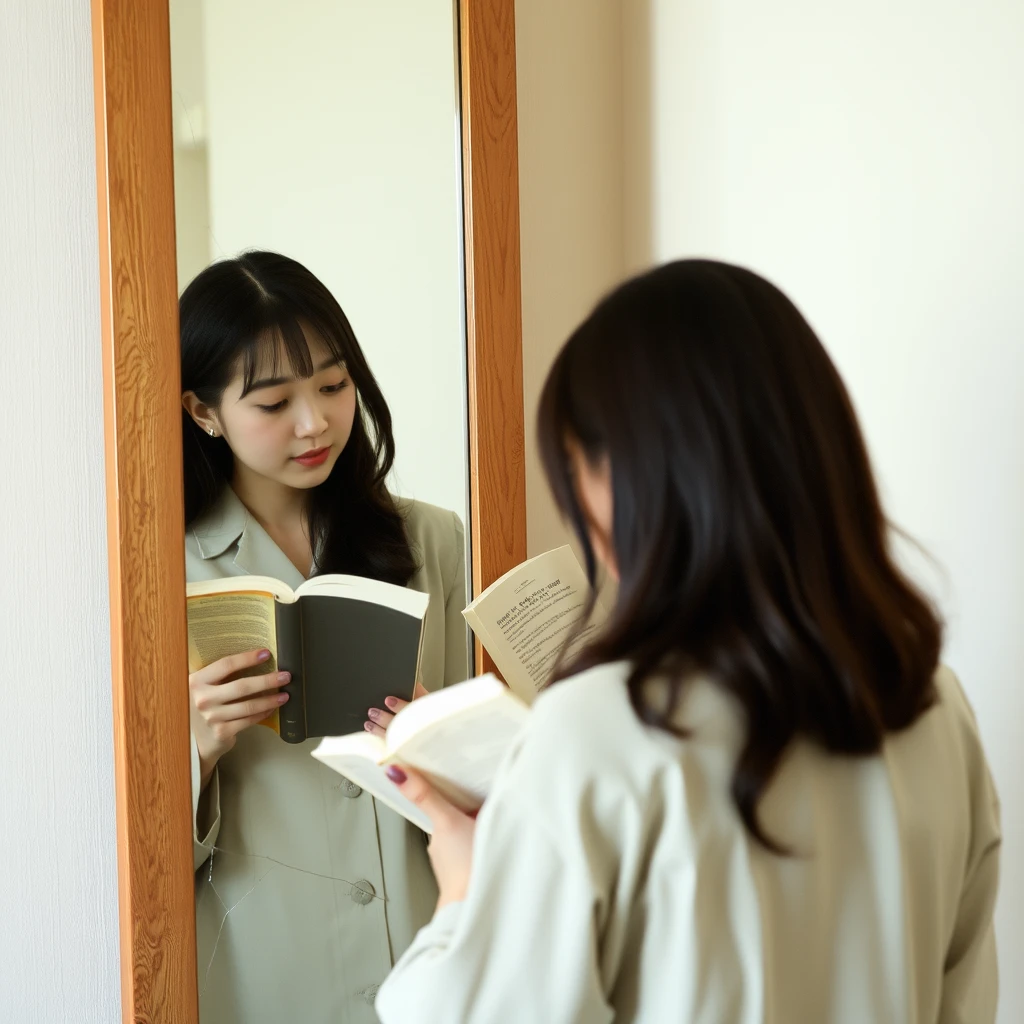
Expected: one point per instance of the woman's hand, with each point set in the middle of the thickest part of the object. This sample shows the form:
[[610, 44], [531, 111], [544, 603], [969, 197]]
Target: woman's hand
[[225, 701], [451, 845], [378, 719]]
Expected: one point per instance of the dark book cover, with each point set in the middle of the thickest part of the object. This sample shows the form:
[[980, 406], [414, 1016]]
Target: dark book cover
[[345, 655]]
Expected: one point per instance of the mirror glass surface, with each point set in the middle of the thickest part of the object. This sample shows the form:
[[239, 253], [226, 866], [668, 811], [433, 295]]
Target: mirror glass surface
[[328, 131]]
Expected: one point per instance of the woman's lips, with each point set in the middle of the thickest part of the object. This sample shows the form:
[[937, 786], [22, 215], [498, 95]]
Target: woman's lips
[[314, 457]]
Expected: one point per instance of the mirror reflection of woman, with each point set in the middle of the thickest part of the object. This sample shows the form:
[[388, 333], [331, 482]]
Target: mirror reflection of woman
[[307, 890]]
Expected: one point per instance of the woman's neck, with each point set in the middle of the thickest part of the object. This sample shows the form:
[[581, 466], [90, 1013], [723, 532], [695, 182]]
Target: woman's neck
[[273, 505], [281, 512]]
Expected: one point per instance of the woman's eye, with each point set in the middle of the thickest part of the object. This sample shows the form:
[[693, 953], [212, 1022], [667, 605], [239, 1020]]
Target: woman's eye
[[333, 389], [276, 407]]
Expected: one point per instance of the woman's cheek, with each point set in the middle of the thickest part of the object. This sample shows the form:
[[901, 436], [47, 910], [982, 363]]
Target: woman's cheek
[[264, 437]]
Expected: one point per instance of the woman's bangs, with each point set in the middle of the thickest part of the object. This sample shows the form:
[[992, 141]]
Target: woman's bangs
[[280, 345]]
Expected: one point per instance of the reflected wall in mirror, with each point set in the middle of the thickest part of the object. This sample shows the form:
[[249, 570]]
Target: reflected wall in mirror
[[330, 132], [327, 132]]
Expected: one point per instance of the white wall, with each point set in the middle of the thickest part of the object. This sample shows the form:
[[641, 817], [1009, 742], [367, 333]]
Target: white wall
[[569, 80], [869, 158], [58, 887], [332, 136], [191, 171]]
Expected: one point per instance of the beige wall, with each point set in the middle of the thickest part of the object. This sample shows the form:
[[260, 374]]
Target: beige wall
[[869, 159], [332, 136], [569, 67]]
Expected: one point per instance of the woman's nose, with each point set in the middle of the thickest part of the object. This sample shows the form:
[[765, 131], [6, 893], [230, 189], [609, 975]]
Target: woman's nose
[[312, 422]]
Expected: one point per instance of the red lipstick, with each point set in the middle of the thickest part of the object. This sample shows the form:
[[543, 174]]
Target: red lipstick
[[314, 457]]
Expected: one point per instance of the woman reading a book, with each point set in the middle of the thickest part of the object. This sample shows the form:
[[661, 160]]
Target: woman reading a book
[[756, 795], [307, 889]]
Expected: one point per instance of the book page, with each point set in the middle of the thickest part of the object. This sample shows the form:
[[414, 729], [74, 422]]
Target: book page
[[223, 624], [457, 737], [242, 585], [524, 620], [447, 702], [358, 757], [461, 753], [358, 588]]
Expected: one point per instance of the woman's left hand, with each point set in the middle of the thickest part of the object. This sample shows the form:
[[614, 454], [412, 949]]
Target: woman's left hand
[[451, 845], [378, 719]]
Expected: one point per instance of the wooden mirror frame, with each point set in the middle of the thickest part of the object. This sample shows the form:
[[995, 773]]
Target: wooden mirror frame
[[142, 409]]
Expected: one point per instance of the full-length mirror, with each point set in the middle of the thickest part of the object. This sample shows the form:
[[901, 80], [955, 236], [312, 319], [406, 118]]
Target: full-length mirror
[[313, 372], [318, 202]]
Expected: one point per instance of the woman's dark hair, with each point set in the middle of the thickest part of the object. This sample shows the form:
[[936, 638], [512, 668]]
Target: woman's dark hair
[[236, 314], [748, 532]]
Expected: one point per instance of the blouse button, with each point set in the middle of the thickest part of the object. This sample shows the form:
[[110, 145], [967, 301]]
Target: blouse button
[[350, 789], [362, 892]]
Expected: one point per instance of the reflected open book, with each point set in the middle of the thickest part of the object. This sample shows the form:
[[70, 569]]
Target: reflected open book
[[457, 737], [348, 642]]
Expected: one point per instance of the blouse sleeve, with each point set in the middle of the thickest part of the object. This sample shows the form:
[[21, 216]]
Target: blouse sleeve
[[970, 979], [205, 832], [522, 946]]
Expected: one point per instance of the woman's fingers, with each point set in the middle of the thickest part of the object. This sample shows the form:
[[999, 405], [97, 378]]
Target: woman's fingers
[[225, 668], [413, 785], [256, 708], [250, 686], [377, 721], [207, 698], [228, 731]]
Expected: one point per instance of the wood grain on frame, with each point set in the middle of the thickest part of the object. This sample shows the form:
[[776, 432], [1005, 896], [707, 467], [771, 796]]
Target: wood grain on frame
[[142, 409], [493, 302], [143, 446]]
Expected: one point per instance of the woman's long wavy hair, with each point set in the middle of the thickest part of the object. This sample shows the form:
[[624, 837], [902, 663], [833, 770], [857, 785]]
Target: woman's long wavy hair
[[235, 316], [750, 540]]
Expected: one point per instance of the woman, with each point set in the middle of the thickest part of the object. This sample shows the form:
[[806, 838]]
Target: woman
[[757, 796], [309, 889]]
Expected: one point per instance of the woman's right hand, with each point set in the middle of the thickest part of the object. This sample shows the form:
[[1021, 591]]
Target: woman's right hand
[[224, 701]]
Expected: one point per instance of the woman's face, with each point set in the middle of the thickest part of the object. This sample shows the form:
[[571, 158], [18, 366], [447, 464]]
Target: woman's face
[[286, 430], [593, 485]]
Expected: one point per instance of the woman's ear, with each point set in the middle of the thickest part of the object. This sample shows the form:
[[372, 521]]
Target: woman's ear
[[204, 416]]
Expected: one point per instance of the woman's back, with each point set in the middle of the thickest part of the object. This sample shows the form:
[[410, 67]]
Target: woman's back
[[754, 796], [881, 913]]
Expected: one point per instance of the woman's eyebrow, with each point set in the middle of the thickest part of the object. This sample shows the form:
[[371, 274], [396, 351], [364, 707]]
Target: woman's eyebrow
[[273, 382]]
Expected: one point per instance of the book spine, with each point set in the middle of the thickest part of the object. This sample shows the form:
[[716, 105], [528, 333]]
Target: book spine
[[289, 659]]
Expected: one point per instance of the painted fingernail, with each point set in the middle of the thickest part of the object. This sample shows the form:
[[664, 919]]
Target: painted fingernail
[[263, 656], [391, 701], [395, 774], [368, 726], [284, 677], [282, 697], [374, 713]]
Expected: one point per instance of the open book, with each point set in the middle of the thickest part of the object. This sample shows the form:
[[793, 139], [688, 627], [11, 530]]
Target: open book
[[457, 737], [524, 619], [348, 642]]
